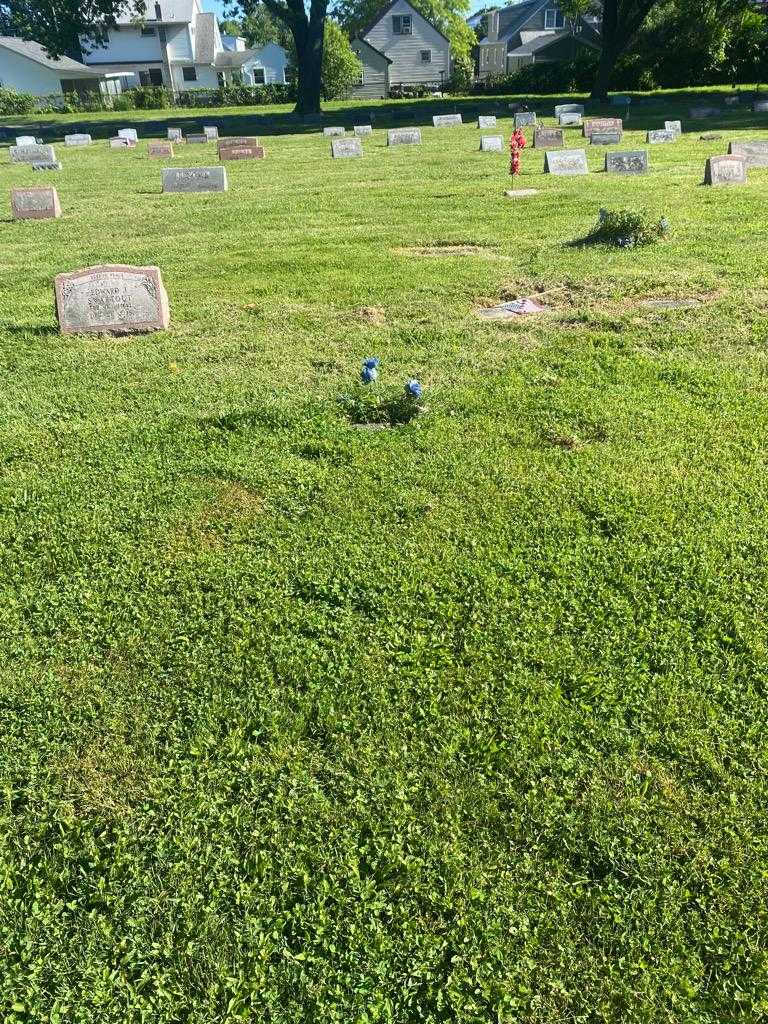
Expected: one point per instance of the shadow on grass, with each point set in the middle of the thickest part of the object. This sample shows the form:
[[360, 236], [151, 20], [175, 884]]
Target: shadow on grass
[[38, 331]]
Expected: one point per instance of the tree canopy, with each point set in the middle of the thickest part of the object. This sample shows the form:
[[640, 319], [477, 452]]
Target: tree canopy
[[60, 25]]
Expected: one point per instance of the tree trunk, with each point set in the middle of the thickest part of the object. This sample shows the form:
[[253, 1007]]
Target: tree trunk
[[309, 50], [608, 58]]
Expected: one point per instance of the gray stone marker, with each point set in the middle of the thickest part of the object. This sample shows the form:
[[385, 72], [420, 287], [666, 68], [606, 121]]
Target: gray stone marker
[[569, 120], [660, 135], [701, 112], [602, 124], [46, 165], [239, 140], [120, 143], [195, 179], [760, 106], [198, 140], [486, 121], [346, 147], [175, 135], [525, 118], [491, 143], [111, 299], [566, 162], [160, 150], [725, 170], [26, 140], [128, 133], [548, 138], [628, 162], [361, 130], [333, 132], [754, 153], [674, 126], [404, 137], [35, 203], [446, 120], [77, 139], [611, 138], [732, 101], [569, 108], [32, 154], [211, 132]]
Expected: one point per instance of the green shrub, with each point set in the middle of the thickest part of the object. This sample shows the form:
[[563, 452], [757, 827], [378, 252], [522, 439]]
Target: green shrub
[[557, 79], [150, 97], [12, 102], [627, 228], [237, 96]]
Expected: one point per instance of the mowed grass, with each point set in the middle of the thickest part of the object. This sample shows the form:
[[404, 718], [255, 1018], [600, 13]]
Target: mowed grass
[[461, 721]]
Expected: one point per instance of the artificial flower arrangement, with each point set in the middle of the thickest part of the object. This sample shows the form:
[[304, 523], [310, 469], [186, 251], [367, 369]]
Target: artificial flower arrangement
[[371, 404]]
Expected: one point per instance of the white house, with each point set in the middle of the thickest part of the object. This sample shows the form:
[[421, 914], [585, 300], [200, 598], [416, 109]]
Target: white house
[[266, 65], [26, 67], [177, 44], [417, 51]]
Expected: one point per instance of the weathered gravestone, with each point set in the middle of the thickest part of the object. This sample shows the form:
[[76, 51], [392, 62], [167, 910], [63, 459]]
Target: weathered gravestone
[[755, 153], [128, 133], [569, 120], [160, 150], [239, 152], [346, 147], [197, 139], [240, 140], [120, 143], [486, 121], [112, 298], [674, 126], [569, 108], [627, 162], [35, 203], [175, 135], [32, 154], [361, 130], [78, 139], [404, 137], [211, 132], [26, 140], [659, 135], [602, 124], [701, 112], [333, 132], [548, 138], [760, 106], [710, 136], [491, 143], [725, 170], [525, 118], [608, 138], [566, 162], [446, 120], [46, 165], [195, 179]]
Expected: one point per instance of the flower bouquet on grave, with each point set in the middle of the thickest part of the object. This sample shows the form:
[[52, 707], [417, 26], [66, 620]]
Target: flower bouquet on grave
[[516, 144], [369, 406]]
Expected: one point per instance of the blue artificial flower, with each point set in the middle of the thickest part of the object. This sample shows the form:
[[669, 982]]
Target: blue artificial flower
[[371, 363], [368, 374], [413, 388], [664, 225]]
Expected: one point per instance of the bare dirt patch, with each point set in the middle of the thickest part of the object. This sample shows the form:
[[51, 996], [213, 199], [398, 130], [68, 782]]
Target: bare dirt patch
[[448, 249], [373, 315]]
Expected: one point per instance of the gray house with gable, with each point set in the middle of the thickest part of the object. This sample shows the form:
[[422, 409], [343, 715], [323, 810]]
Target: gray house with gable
[[533, 32]]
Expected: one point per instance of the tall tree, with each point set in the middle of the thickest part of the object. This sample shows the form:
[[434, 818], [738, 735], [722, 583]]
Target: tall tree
[[60, 25], [622, 20]]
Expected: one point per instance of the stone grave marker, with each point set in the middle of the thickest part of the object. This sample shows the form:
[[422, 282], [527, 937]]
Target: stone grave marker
[[732, 101], [569, 120], [659, 135], [197, 140], [446, 120], [486, 121], [760, 106], [175, 135], [566, 162], [240, 140], [548, 138], [26, 140], [120, 143], [674, 126], [608, 138], [701, 112], [491, 143], [160, 150], [46, 165], [112, 298], [569, 108], [128, 133], [725, 170], [78, 139], [525, 118], [404, 137], [345, 148], [754, 153], [602, 124], [35, 203], [195, 179], [32, 154], [627, 162], [710, 137], [361, 130], [238, 152], [333, 132], [211, 132]]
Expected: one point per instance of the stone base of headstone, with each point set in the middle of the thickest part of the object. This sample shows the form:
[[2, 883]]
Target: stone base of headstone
[[521, 193]]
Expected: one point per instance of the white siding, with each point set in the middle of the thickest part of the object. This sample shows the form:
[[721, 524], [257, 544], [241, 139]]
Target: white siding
[[127, 44], [24, 75], [179, 43], [405, 51], [273, 59]]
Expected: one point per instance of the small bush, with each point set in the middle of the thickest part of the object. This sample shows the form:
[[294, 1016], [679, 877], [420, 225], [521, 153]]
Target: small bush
[[237, 96], [12, 102], [150, 97], [556, 79], [627, 229]]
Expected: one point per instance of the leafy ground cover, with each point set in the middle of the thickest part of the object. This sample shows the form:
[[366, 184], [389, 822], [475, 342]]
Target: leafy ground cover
[[461, 720]]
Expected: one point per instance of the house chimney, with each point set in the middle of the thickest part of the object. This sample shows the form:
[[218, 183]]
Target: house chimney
[[493, 25], [158, 12]]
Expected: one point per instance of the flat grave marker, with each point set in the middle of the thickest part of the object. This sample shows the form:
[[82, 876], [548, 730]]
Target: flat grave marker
[[160, 150], [342, 148], [486, 121], [446, 120], [566, 162], [755, 152], [32, 154], [548, 138], [35, 203], [491, 143], [571, 120], [122, 143], [660, 135], [333, 132], [78, 139], [725, 170], [628, 162], [195, 179], [197, 140], [46, 165], [404, 137], [111, 298]]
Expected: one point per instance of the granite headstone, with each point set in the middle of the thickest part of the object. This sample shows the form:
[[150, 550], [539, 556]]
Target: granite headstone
[[659, 135], [486, 121], [32, 154], [195, 179], [112, 298], [725, 170], [345, 148], [240, 152], [333, 132], [548, 138], [78, 139], [404, 137], [627, 162], [492, 143], [35, 203], [754, 153], [566, 162], [446, 120]]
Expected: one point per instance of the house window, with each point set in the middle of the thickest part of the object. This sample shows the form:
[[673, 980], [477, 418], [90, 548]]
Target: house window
[[152, 76], [147, 30], [258, 76], [189, 74], [221, 79], [426, 56], [554, 18], [401, 24]]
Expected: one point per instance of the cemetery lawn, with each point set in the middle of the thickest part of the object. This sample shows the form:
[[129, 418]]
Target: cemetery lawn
[[458, 721]]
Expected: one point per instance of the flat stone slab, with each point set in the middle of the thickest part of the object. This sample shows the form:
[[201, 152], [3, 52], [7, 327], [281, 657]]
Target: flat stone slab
[[239, 140], [35, 203], [333, 132], [404, 137], [26, 140], [491, 143], [160, 150], [511, 310], [32, 154], [446, 120], [754, 152], [128, 133], [566, 162], [710, 137], [660, 135], [725, 170], [240, 152], [627, 162], [486, 121], [548, 138], [195, 179], [78, 139], [42, 165], [670, 303], [343, 148], [361, 130], [521, 193], [113, 299]]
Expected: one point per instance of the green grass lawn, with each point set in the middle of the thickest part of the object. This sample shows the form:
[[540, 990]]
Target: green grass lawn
[[462, 721]]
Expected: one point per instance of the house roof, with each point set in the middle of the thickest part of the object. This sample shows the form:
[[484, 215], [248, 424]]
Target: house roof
[[34, 51], [512, 19], [385, 11], [359, 39], [234, 58], [543, 42]]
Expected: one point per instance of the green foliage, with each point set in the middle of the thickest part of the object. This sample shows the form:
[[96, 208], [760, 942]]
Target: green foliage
[[61, 25], [13, 102], [627, 228], [151, 97], [237, 96], [557, 78], [372, 404], [341, 67]]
